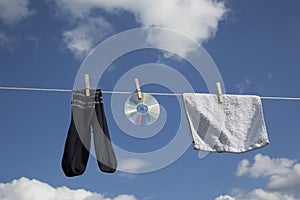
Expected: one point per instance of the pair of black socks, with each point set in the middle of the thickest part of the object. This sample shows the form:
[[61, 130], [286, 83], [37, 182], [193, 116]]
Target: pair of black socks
[[87, 113]]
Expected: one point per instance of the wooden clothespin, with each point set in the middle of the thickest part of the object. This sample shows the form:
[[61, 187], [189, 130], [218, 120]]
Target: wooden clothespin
[[138, 89], [87, 85], [219, 92]]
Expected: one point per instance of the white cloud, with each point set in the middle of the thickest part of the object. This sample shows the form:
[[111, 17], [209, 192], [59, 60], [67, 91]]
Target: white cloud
[[288, 182], [257, 194], [82, 39], [283, 176], [197, 19], [131, 165], [26, 189], [124, 197], [261, 194], [264, 166], [225, 197], [13, 11]]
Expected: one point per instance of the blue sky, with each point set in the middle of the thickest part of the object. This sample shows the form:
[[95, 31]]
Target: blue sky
[[255, 46]]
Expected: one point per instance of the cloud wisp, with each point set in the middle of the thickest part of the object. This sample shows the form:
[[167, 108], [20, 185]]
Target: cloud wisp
[[243, 86], [88, 32], [132, 165], [14, 11]]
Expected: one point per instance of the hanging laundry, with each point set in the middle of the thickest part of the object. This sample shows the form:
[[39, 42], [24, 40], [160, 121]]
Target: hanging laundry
[[236, 125], [87, 113]]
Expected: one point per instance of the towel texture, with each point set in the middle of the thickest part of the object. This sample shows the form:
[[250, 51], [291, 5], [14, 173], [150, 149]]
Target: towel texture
[[236, 125]]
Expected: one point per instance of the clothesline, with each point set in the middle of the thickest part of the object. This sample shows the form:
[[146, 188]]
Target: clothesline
[[121, 92]]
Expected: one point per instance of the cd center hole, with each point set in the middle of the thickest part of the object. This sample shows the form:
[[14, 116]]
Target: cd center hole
[[142, 108]]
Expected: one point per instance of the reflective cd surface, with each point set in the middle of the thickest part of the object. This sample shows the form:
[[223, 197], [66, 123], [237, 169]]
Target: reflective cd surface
[[143, 111]]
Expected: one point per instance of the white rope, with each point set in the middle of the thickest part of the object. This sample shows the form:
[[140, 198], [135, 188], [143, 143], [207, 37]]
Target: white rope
[[115, 92], [35, 89], [121, 92], [281, 98], [153, 93]]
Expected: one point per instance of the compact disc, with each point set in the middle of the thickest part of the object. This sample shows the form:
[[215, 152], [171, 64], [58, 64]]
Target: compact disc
[[143, 111]]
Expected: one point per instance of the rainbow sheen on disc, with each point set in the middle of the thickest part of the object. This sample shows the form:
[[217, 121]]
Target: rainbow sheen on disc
[[142, 112]]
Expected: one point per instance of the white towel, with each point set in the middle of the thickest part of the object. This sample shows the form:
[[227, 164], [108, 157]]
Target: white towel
[[236, 125]]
